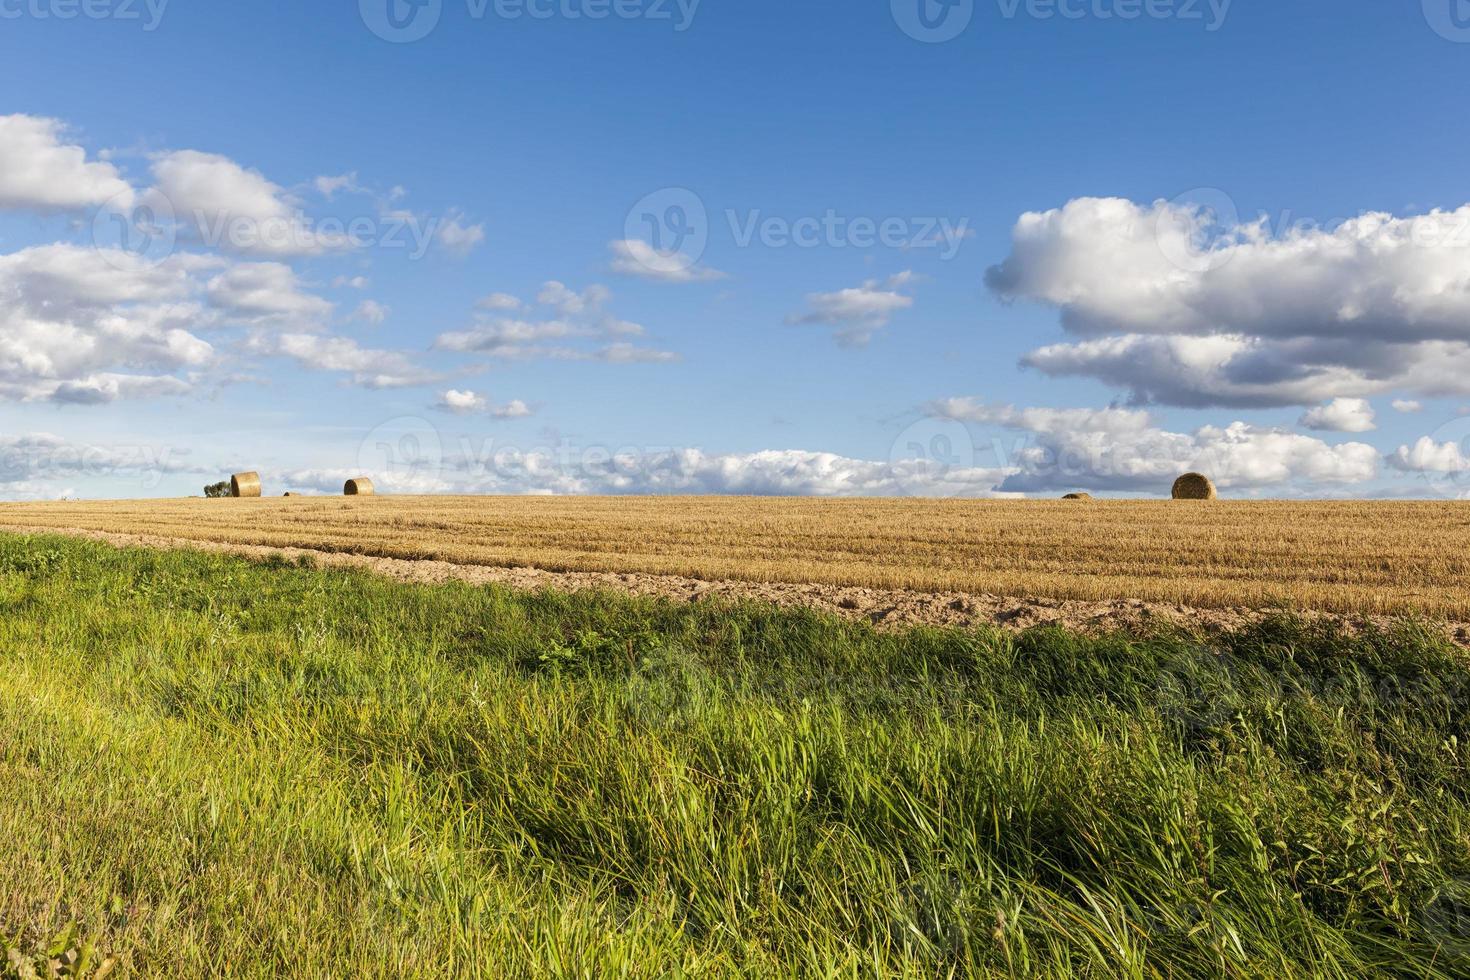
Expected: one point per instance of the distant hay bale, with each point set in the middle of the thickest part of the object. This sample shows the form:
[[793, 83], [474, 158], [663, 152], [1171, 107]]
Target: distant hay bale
[[1194, 486], [360, 487], [245, 485], [1077, 496]]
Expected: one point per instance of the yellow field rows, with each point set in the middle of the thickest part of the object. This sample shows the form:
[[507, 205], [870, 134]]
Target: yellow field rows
[[1369, 556]]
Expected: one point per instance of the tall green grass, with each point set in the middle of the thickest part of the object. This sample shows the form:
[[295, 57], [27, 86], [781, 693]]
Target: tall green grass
[[209, 766]]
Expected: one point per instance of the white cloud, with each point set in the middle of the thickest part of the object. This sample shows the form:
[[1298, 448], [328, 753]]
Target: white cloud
[[1118, 449], [1310, 314], [568, 302], [1341, 415], [329, 186], [351, 282], [500, 302], [101, 389], [512, 470], [626, 353], [1236, 371], [91, 325], [457, 237], [1407, 405], [371, 311], [366, 367], [38, 171], [635, 257], [581, 331], [266, 293], [1428, 456], [459, 402], [31, 465], [513, 409], [236, 209], [859, 312]]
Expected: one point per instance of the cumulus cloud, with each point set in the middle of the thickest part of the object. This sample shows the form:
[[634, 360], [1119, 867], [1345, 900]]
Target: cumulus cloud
[[330, 186], [235, 209], [42, 465], [1428, 456], [1407, 405], [635, 257], [596, 470], [580, 329], [858, 313], [40, 171], [365, 367], [372, 312], [458, 402], [1341, 415], [91, 325], [266, 293], [568, 302], [1118, 449], [456, 236], [1251, 318], [503, 302]]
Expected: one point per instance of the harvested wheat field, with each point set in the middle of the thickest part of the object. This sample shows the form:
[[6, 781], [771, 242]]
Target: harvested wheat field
[[1358, 557]]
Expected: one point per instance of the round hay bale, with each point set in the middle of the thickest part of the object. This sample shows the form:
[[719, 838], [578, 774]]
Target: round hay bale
[[1077, 496], [1194, 486], [360, 487], [245, 485]]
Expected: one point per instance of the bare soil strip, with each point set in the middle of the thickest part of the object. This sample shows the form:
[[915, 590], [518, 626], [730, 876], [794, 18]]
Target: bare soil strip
[[885, 608]]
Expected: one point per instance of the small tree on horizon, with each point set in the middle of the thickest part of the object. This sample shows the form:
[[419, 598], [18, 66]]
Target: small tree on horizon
[[220, 489]]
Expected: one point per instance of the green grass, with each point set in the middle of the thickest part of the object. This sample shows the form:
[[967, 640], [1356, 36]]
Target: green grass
[[209, 766]]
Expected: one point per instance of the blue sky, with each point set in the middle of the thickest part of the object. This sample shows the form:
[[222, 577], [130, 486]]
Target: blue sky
[[284, 237]]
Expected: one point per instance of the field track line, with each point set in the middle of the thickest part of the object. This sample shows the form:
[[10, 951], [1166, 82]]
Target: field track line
[[885, 608]]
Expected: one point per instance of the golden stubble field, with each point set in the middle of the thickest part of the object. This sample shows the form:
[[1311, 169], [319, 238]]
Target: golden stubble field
[[1356, 556]]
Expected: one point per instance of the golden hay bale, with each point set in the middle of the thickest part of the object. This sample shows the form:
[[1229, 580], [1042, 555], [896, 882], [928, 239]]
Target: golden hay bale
[[1194, 486], [360, 487], [1077, 496], [245, 485]]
